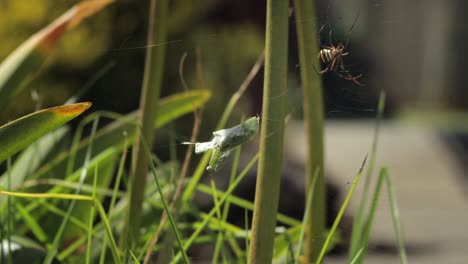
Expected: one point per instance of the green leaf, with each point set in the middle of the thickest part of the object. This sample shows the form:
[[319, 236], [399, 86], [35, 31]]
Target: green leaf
[[19, 66], [124, 130], [32, 223], [20, 133], [32, 158], [104, 163]]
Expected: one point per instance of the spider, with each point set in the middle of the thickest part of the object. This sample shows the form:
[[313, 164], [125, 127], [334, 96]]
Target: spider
[[333, 57]]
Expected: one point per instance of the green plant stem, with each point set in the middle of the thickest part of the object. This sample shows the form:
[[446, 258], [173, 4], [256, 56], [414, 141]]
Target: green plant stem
[[314, 119], [152, 81], [271, 137]]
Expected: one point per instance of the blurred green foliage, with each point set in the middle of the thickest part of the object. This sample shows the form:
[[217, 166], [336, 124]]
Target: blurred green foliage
[[229, 44], [77, 50]]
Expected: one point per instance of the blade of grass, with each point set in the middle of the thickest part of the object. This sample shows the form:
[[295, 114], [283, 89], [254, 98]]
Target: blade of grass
[[218, 215], [105, 157], [9, 215], [281, 243], [356, 234], [247, 205], [223, 199], [397, 226], [384, 177], [71, 185], [134, 258], [219, 240], [53, 249], [65, 196], [163, 200], [271, 134], [91, 220], [167, 254], [110, 236], [340, 213], [71, 249], [246, 221], [308, 44], [305, 219], [31, 222], [120, 171], [355, 259], [149, 101], [73, 220], [87, 86]]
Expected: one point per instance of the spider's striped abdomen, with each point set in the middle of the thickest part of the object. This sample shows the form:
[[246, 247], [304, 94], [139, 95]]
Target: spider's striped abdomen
[[327, 55]]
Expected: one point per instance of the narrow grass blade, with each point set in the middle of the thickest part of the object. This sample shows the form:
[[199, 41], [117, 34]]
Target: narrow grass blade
[[134, 258], [19, 66], [359, 218], [20, 133], [87, 86], [282, 244], [305, 219], [110, 237], [91, 220], [219, 246], [397, 226], [384, 177], [223, 199], [355, 259], [247, 240], [166, 207], [149, 105], [120, 171], [31, 223], [53, 249], [247, 205], [218, 215], [64, 196], [340, 213]]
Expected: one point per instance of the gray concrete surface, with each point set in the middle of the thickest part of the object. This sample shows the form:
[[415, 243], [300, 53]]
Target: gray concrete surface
[[427, 180]]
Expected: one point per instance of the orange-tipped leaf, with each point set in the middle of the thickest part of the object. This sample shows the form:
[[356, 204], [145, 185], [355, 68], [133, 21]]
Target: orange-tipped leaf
[[18, 68], [18, 134]]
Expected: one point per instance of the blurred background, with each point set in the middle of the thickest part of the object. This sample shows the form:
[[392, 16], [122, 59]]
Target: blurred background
[[413, 50]]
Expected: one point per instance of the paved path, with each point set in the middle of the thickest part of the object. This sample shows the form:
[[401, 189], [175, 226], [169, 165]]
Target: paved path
[[432, 197]]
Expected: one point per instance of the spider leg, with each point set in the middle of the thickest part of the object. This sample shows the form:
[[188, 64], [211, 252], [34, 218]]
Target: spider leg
[[322, 71], [321, 28], [347, 76]]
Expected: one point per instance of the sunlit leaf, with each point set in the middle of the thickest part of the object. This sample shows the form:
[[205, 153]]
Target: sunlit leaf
[[119, 131], [20, 133], [19, 66]]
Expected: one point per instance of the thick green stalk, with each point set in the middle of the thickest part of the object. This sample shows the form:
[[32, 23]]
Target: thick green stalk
[[152, 81], [313, 117], [271, 137]]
